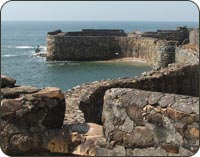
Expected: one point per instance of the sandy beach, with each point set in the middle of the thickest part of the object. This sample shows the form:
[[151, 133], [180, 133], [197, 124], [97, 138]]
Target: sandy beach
[[126, 59]]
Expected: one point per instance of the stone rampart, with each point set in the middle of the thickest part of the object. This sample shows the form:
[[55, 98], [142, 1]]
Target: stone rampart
[[194, 37], [186, 55], [181, 35], [82, 48], [157, 48]]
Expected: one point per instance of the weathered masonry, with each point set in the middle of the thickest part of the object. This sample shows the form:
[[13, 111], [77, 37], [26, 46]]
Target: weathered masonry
[[157, 48], [91, 44]]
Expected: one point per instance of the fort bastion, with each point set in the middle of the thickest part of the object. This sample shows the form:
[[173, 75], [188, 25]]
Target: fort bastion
[[157, 48]]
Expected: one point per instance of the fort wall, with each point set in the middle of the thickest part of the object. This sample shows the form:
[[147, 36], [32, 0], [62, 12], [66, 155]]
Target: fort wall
[[157, 48], [181, 35], [194, 37], [86, 48], [185, 55]]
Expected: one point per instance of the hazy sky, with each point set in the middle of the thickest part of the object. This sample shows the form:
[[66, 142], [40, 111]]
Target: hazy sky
[[101, 11]]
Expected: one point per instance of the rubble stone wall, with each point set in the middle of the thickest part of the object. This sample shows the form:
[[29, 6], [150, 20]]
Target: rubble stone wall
[[142, 119], [184, 55], [194, 37], [28, 120], [87, 100], [83, 48]]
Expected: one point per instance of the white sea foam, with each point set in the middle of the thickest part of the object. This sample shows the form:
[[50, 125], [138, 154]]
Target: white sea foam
[[43, 48], [9, 55], [31, 52], [24, 47], [73, 63], [61, 64]]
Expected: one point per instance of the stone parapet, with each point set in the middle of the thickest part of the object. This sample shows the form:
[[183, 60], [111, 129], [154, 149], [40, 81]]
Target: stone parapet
[[27, 119], [142, 119], [84, 103], [86, 48]]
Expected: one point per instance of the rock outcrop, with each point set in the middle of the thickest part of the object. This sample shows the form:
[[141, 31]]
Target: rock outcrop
[[7, 81], [17, 91]]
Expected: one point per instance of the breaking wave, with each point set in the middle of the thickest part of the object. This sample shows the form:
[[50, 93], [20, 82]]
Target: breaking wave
[[9, 55], [24, 47]]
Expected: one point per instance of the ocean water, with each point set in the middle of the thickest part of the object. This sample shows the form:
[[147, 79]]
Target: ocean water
[[19, 39]]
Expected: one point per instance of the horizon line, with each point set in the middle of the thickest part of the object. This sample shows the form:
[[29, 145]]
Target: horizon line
[[91, 21]]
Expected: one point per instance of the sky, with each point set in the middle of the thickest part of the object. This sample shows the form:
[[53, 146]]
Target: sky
[[100, 11]]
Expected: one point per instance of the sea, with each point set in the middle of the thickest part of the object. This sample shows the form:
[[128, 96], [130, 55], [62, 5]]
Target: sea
[[20, 38]]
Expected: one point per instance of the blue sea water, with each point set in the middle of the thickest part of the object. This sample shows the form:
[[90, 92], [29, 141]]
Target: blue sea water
[[19, 39]]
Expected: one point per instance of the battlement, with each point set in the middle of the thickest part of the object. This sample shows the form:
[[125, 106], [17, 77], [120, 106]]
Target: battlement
[[181, 35], [91, 32]]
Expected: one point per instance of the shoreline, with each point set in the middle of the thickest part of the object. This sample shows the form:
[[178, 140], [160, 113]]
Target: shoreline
[[125, 60], [120, 60]]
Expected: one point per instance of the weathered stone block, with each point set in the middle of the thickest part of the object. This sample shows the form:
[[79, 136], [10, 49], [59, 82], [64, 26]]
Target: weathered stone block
[[7, 81], [26, 120], [170, 148], [141, 137], [17, 91]]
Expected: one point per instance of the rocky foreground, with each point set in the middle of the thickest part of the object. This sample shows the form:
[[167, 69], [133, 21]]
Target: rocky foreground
[[148, 116]]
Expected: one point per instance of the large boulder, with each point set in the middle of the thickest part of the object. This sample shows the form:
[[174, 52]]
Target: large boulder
[[7, 81], [27, 120]]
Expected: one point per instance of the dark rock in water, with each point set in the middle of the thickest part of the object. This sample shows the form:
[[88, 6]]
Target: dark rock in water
[[37, 50], [7, 81]]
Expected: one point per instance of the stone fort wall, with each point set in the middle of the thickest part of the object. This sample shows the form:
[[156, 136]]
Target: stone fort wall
[[86, 48], [194, 37]]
